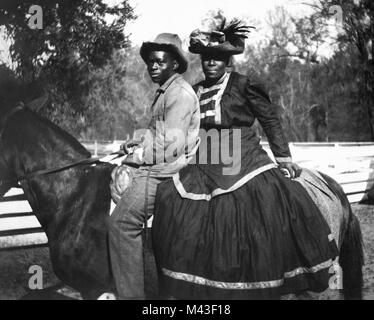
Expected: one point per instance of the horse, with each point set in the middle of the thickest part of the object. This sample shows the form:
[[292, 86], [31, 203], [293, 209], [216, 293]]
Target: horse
[[72, 203]]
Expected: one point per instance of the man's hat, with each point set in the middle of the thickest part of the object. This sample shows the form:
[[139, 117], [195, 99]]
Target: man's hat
[[226, 40], [166, 42]]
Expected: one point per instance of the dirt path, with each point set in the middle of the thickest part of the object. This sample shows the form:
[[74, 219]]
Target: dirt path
[[14, 271]]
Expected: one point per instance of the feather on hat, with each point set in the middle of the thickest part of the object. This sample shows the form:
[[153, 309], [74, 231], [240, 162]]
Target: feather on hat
[[228, 39]]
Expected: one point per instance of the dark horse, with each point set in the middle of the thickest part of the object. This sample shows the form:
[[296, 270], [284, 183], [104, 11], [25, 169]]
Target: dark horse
[[72, 205]]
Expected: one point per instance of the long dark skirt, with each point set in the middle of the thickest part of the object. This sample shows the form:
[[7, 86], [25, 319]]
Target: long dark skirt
[[260, 241]]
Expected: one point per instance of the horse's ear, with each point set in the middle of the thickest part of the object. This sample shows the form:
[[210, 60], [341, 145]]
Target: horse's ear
[[38, 103]]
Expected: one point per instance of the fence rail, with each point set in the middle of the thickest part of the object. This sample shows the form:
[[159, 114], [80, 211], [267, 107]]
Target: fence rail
[[19, 227], [351, 164]]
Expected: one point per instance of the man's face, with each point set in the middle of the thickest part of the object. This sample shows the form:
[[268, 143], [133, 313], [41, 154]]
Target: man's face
[[161, 66], [214, 66]]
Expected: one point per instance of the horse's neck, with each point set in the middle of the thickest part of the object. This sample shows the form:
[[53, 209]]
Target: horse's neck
[[37, 144], [40, 145]]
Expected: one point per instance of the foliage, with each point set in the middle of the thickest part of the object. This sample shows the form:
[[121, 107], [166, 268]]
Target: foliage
[[119, 98], [356, 37], [76, 39], [100, 87], [319, 98]]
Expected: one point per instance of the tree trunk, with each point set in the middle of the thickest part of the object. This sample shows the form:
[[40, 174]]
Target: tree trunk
[[369, 94]]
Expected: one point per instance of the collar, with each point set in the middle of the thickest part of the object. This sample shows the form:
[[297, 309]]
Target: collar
[[168, 82], [223, 78], [219, 82]]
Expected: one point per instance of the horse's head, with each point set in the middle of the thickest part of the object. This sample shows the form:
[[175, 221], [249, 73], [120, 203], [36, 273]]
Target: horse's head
[[29, 142], [12, 90], [8, 176]]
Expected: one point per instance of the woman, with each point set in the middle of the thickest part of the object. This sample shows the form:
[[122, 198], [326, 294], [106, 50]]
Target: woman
[[239, 230]]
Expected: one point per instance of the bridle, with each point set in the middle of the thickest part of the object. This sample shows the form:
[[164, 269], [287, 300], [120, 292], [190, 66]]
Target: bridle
[[13, 182]]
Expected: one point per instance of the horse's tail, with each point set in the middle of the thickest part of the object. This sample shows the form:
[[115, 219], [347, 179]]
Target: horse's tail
[[352, 259]]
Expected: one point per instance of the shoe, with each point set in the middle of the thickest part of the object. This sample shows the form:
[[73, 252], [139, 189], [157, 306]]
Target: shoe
[[107, 296]]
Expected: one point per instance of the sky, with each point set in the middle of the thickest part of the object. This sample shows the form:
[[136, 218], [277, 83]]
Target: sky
[[182, 17]]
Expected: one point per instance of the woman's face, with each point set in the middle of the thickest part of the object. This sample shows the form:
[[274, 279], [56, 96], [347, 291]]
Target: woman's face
[[214, 66]]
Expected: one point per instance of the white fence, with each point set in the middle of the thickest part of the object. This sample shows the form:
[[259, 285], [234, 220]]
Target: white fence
[[18, 225], [351, 164]]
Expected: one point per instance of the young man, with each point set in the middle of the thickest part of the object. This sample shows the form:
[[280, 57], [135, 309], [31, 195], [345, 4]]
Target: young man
[[172, 133]]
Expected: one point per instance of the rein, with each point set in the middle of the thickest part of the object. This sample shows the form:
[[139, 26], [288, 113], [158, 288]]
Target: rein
[[31, 175], [42, 172], [37, 173]]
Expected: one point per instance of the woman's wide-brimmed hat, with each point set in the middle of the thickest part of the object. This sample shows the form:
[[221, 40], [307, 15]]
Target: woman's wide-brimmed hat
[[166, 42], [225, 40]]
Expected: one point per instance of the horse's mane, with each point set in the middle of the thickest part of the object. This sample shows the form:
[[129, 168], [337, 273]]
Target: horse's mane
[[65, 136], [13, 91], [43, 123]]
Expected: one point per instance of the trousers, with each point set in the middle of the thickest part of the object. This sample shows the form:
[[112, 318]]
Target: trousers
[[125, 228]]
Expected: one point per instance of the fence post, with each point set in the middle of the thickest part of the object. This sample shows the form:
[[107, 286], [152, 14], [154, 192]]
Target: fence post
[[95, 148]]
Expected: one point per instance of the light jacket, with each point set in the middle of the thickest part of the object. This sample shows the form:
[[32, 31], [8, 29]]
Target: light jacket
[[172, 135]]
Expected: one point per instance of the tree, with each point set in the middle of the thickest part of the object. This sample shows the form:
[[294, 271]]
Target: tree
[[357, 30], [76, 39], [119, 98], [320, 98], [283, 63], [298, 38]]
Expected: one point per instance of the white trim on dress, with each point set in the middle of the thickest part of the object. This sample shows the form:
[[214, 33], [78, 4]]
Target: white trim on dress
[[246, 285], [207, 197], [217, 97]]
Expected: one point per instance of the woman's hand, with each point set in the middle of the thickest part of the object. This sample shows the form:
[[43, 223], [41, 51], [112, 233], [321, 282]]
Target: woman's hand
[[293, 169]]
